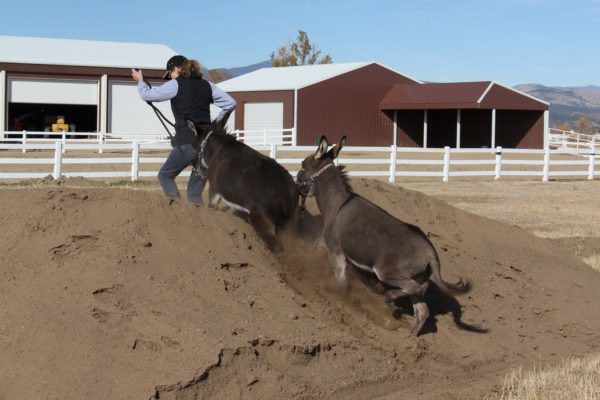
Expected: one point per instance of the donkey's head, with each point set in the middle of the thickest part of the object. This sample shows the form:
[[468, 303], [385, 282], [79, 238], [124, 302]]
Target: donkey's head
[[315, 164], [202, 133]]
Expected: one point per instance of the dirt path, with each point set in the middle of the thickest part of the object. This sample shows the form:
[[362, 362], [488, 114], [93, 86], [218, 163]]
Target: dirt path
[[110, 293]]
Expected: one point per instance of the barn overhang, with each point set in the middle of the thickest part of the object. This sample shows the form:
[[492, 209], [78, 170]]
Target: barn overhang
[[459, 95], [465, 114]]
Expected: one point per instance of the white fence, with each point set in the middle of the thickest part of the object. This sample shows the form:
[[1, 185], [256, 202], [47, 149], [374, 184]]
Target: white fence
[[262, 137], [391, 162], [569, 140]]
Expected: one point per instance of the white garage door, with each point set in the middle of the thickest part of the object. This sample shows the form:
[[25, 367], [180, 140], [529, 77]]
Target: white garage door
[[259, 117], [130, 115], [52, 91]]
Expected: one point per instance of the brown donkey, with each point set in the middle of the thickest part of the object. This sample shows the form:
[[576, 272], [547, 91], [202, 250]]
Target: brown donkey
[[258, 188], [357, 231]]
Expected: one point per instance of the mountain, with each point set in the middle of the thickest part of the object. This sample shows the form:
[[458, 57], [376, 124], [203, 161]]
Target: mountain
[[567, 104], [228, 73], [237, 71]]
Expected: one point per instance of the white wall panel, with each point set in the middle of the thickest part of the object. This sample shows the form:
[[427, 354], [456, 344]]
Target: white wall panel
[[52, 91], [128, 114]]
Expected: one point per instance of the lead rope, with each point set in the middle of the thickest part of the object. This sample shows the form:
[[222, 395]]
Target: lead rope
[[200, 166]]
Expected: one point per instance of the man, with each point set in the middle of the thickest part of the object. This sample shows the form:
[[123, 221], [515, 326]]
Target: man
[[190, 97]]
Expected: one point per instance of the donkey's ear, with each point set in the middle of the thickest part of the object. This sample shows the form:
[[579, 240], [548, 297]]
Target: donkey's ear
[[322, 149], [191, 125], [335, 151]]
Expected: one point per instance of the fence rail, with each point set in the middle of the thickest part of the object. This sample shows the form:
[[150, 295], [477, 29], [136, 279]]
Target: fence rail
[[130, 159], [256, 137], [569, 140]]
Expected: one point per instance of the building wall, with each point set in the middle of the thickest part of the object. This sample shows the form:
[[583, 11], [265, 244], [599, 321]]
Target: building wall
[[502, 98], [441, 128], [520, 129], [285, 96], [410, 128], [348, 105], [61, 72], [475, 128]]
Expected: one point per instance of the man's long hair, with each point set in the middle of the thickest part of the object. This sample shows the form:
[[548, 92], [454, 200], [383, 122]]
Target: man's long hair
[[191, 68]]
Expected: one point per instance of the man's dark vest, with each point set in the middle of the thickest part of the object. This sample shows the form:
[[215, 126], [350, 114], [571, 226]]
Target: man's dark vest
[[193, 99]]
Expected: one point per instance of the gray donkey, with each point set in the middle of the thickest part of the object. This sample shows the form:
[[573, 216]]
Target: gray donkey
[[357, 231]]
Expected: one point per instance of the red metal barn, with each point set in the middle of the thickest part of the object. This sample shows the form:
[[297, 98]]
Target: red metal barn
[[375, 106], [330, 99]]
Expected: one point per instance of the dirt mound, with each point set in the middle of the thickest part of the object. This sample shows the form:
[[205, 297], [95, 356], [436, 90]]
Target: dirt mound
[[113, 293]]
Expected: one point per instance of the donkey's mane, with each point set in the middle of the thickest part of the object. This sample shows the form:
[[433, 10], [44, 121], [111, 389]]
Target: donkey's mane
[[221, 131], [345, 178]]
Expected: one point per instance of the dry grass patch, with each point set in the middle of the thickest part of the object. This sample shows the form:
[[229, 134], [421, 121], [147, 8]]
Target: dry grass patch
[[577, 378], [593, 261]]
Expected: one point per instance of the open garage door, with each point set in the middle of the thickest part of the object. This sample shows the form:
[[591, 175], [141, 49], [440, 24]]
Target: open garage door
[[34, 104], [130, 115], [259, 117]]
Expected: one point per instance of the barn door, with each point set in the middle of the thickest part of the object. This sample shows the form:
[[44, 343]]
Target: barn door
[[259, 117]]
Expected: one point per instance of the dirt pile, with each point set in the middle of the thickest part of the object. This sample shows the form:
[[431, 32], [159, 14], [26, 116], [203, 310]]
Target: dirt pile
[[112, 293]]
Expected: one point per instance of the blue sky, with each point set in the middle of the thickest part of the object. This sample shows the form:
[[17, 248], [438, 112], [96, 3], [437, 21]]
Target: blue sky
[[552, 42]]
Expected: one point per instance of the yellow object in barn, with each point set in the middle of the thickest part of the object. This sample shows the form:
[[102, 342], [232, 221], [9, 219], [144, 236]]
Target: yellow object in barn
[[60, 125], [60, 128]]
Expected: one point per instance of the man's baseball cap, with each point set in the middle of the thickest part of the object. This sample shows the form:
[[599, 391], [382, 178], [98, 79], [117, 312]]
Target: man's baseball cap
[[175, 61]]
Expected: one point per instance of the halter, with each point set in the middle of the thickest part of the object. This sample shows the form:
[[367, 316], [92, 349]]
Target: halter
[[304, 187], [200, 167], [313, 178]]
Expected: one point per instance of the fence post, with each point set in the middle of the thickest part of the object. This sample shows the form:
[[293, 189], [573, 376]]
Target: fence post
[[592, 166], [546, 177], [393, 158], [64, 142], [24, 142], [273, 153], [100, 141], [498, 163], [135, 161], [446, 163], [57, 159]]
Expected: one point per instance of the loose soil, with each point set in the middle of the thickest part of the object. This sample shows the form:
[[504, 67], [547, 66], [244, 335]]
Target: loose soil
[[111, 293]]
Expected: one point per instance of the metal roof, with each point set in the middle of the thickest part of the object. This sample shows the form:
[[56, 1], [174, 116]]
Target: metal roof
[[47, 51], [454, 95], [289, 78]]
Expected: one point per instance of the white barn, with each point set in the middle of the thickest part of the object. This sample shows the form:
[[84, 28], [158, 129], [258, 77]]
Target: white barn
[[87, 82]]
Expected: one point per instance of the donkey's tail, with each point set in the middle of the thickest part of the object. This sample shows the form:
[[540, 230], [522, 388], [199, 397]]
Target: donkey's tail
[[462, 286], [448, 289]]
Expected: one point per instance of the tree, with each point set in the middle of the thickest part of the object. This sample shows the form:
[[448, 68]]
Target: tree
[[217, 76], [564, 127], [584, 125], [300, 52]]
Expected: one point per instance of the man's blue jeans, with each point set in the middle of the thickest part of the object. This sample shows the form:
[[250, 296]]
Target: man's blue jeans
[[180, 157]]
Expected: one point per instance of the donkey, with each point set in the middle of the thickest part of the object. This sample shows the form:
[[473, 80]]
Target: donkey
[[254, 185], [358, 232]]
